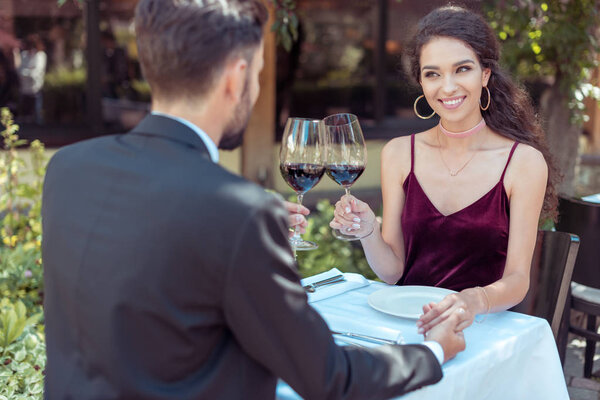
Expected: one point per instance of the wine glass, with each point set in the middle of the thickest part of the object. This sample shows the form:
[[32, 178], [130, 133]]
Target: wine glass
[[346, 156], [301, 164]]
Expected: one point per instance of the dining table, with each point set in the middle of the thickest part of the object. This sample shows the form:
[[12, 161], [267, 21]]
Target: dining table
[[508, 355]]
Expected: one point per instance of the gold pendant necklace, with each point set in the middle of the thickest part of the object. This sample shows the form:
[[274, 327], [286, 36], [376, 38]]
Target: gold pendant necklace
[[451, 171]]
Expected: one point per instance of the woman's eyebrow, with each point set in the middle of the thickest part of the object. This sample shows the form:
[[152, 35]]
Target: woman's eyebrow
[[467, 61]]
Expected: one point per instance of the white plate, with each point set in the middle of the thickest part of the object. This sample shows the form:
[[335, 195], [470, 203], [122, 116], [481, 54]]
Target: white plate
[[406, 301]]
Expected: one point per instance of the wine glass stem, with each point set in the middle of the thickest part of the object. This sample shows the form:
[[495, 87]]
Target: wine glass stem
[[347, 189], [297, 227]]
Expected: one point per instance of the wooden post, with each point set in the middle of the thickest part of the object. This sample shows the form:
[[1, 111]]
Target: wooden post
[[379, 52], [94, 62], [259, 139]]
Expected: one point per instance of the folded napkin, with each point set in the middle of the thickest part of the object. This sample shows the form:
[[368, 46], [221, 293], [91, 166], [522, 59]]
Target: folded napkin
[[594, 198], [343, 324], [353, 281]]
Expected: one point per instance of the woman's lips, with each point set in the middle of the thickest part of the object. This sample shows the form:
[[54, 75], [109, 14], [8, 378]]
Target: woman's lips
[[452, 103]]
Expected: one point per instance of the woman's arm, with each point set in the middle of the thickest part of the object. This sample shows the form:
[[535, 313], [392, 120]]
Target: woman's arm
[[384, 249], [526, 180]]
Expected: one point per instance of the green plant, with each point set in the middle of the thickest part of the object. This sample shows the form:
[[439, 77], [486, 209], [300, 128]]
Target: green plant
[[20, 198], [22, 353], [63, 94], [142, 90], [22, 345], [286, 23], [551, 38], [346, 256], [21, 275]]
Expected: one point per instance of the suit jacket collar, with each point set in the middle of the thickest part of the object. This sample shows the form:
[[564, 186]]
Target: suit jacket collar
[[157, 125]]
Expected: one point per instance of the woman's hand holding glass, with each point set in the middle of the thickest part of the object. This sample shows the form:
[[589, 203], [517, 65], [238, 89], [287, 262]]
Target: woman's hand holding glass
[[466, 304], [353, 217]]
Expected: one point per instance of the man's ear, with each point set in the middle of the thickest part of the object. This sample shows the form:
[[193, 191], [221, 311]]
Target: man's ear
[[235, 78]]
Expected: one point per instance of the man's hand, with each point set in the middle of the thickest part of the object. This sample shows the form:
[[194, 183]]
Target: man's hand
[[296, 218], [446, 334]]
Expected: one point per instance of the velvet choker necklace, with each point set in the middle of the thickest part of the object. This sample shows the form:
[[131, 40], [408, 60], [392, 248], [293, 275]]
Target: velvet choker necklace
[[472, 131]]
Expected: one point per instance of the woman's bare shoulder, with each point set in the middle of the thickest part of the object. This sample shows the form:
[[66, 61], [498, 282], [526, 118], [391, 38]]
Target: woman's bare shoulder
[[395, 158], [527, 165], [528, 155]]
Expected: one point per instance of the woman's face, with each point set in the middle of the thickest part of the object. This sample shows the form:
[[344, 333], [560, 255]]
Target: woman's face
[[452, 80]]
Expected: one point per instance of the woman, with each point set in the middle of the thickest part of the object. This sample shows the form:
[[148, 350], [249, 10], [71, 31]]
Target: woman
[[461, 200]]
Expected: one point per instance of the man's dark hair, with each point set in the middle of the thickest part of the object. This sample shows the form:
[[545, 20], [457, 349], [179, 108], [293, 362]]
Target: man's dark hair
[[183, 45]]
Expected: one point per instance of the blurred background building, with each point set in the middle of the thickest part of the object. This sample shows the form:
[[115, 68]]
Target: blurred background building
[[70, 71]]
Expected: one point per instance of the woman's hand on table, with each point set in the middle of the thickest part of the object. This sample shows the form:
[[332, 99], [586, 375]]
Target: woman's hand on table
[[465, 304], [296, 217], [353, 217]]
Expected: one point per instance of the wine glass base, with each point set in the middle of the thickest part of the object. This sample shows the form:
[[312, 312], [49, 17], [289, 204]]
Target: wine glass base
[[348, 238], [303, 245], [341, 236]]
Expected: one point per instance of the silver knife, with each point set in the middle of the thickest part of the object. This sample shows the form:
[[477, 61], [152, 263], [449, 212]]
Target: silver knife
[[365, 338], [311, 287]]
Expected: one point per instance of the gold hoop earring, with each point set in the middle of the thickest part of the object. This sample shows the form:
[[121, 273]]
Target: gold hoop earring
[[415, 108], [489, 100]]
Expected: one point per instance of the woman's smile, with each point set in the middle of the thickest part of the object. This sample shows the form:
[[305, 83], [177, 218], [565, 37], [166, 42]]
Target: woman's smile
[[451, 103]]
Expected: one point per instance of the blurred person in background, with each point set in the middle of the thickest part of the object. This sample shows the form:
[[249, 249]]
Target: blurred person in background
[[31, 69], [115, 78]]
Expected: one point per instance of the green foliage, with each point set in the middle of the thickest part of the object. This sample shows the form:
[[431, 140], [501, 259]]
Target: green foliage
[[22, 346], [21, 275], [554, 38], [64, 95], [286, 23], [64, 77], [20, 200], [22, 353], [346, 256], [142, 90]]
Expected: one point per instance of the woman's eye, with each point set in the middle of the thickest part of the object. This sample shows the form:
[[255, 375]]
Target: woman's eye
[[430, 74], [463, 69]]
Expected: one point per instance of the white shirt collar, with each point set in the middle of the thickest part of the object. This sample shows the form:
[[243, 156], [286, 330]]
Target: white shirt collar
[[210, 145]]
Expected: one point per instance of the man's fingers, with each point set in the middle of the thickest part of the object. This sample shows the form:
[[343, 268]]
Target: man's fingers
[[297, 220], [295, 208]]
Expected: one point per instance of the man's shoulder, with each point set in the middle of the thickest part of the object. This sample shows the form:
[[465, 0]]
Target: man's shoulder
[[79, 149], [239, 192]]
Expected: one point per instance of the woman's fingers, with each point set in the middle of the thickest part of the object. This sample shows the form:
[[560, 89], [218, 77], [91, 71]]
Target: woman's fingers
[[440, 311], [465, 318], [465, 324]]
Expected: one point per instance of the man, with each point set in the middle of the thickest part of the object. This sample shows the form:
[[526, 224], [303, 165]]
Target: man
[[168, 277]]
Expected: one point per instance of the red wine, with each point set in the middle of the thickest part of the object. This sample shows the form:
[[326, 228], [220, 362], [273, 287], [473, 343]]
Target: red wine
[[302, 177], [345, 175]]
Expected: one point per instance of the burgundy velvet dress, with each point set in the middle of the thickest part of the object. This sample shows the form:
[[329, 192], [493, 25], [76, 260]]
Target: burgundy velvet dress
[[464, 249]]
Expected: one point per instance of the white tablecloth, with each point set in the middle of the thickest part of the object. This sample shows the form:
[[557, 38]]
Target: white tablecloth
[[510, 356]]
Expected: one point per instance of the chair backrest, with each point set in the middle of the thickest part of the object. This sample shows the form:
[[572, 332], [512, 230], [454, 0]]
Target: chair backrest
[[583, 219], [550, 277]]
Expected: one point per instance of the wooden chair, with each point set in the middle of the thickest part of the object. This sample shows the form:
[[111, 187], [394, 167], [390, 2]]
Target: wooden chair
[[551, 269], [583, 219]]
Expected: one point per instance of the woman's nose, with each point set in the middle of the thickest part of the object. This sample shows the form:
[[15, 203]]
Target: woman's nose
[[449, 86]]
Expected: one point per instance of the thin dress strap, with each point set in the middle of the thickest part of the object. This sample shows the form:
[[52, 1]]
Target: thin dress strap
[[412, 152], [512, 150]]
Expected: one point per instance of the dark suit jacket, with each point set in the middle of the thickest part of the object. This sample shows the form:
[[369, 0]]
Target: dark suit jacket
[[167, 277]]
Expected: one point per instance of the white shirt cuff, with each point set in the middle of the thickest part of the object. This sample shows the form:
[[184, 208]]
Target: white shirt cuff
[[437, 350]]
